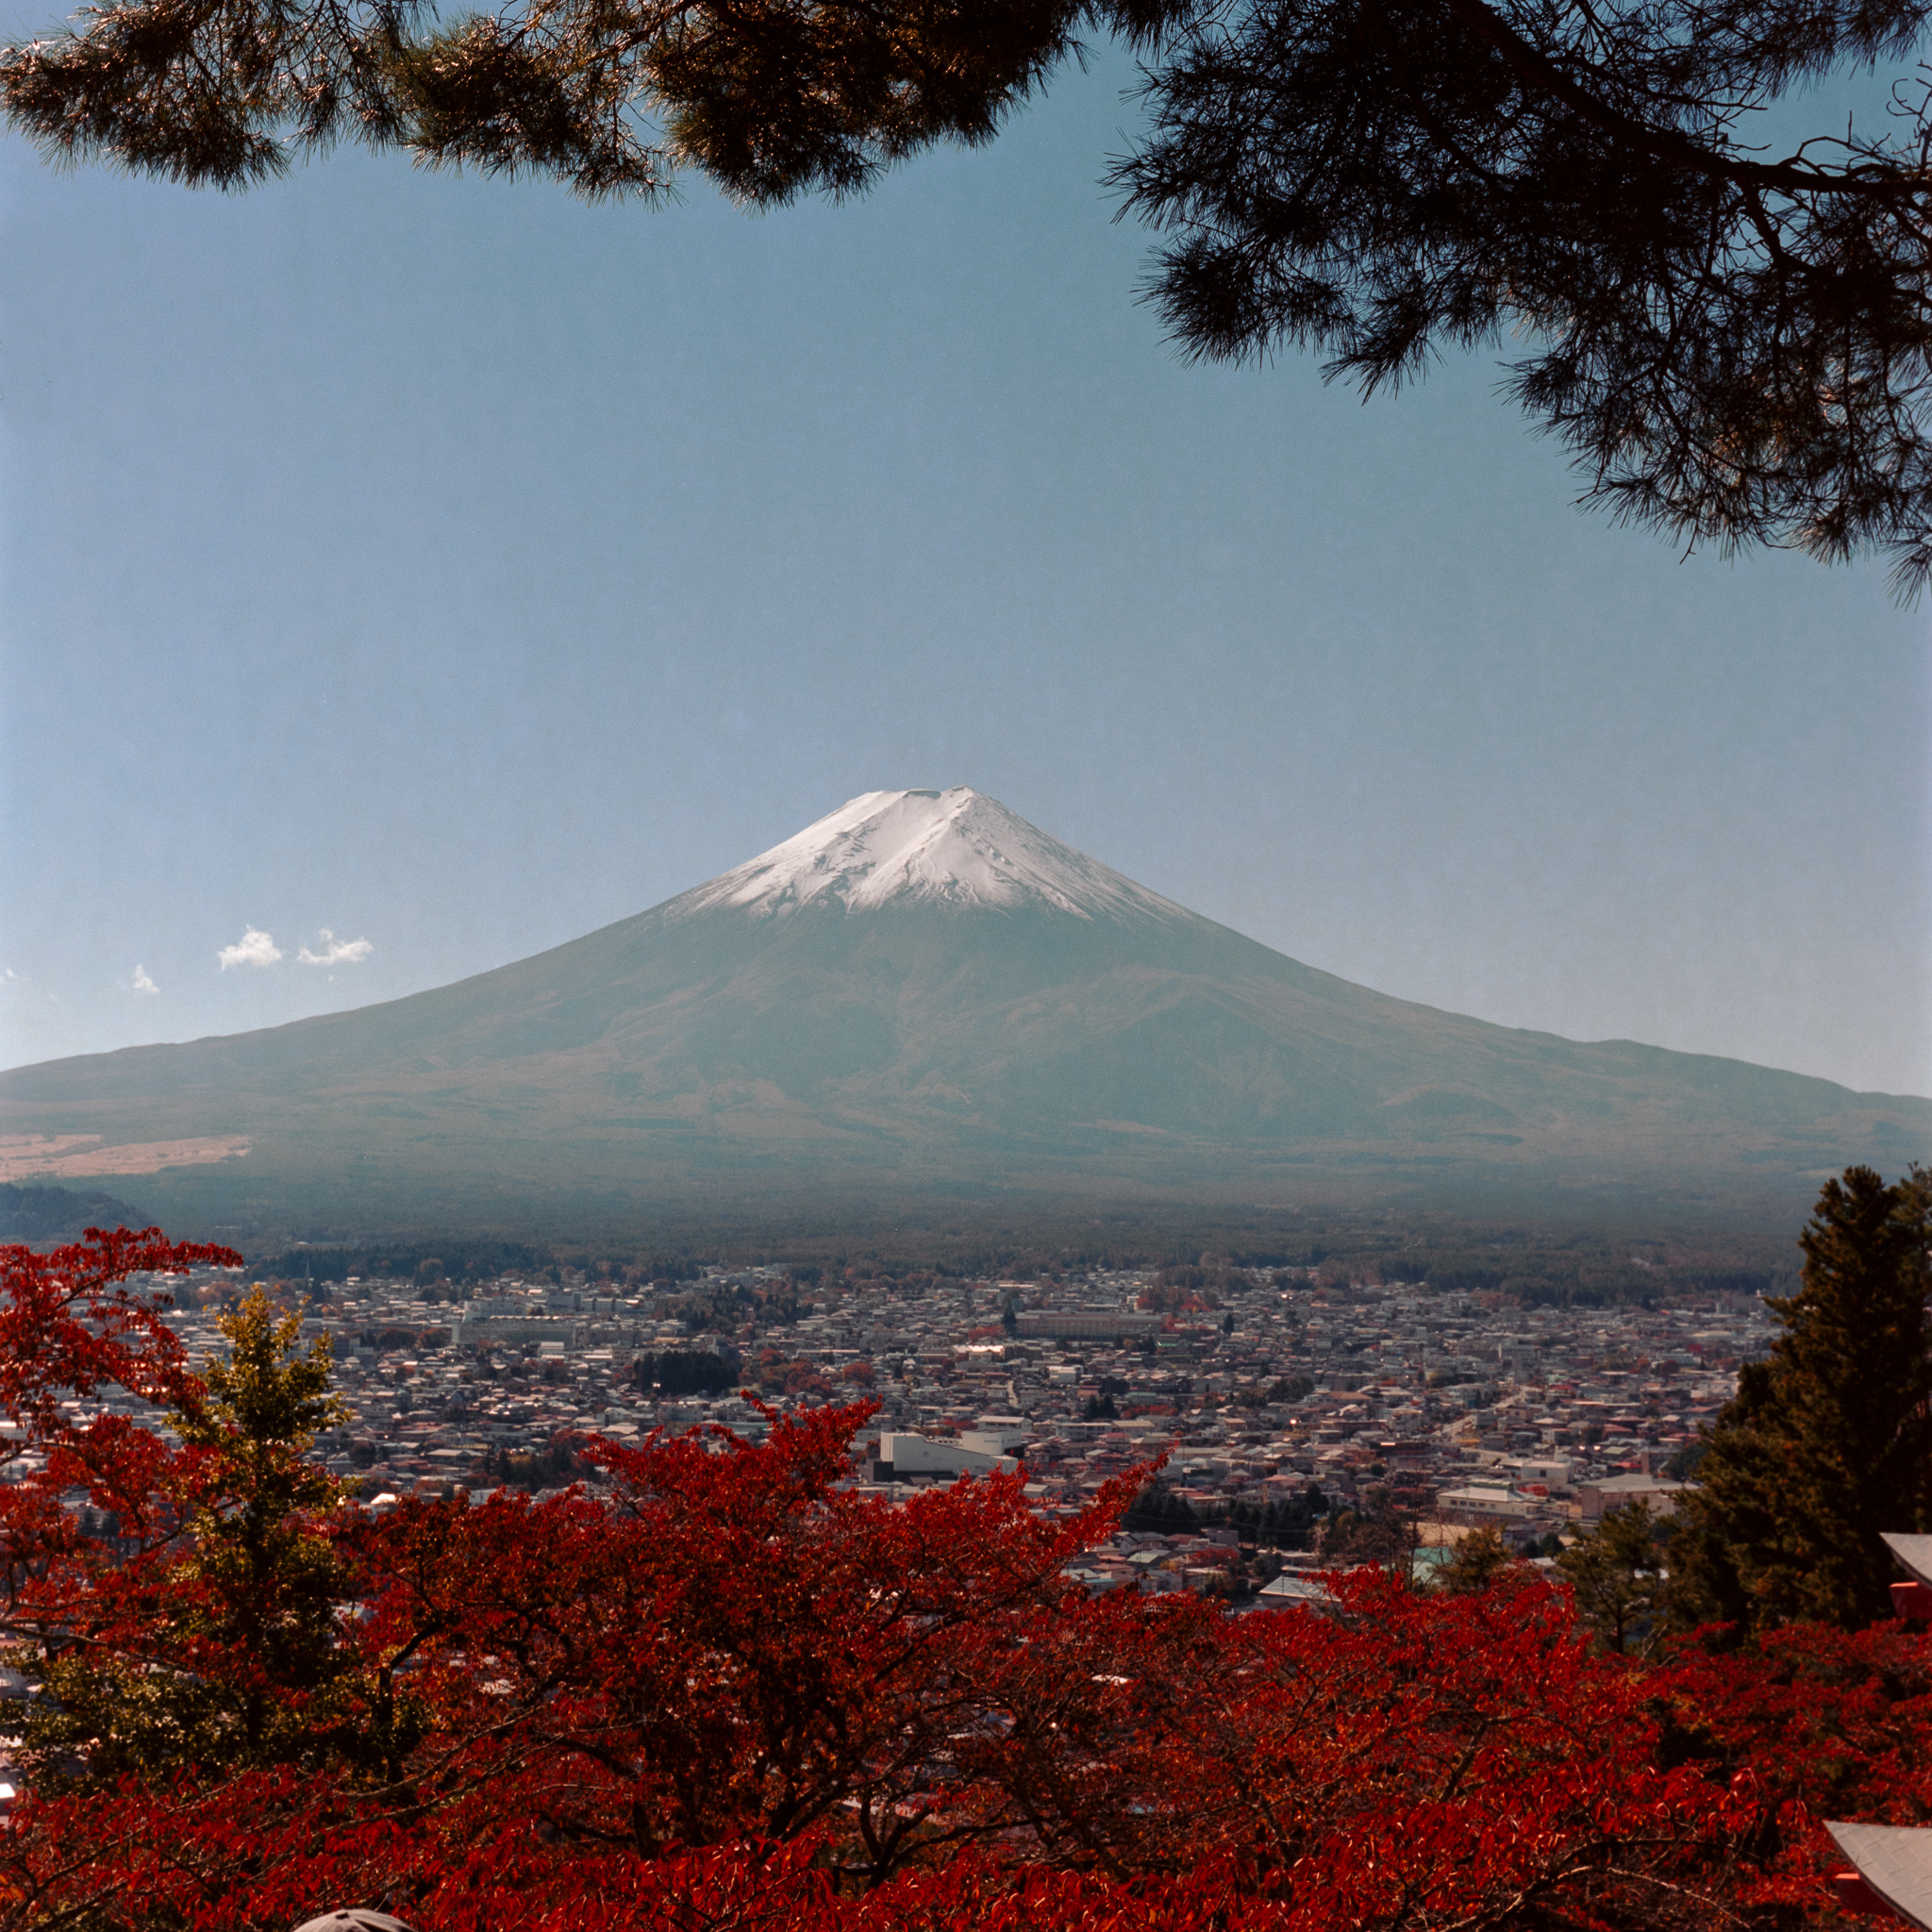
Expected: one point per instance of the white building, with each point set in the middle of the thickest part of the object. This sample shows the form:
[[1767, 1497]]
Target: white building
[[902, 1455]]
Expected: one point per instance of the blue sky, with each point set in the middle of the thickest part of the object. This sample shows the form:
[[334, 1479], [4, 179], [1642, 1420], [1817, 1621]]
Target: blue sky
[[445, 565]]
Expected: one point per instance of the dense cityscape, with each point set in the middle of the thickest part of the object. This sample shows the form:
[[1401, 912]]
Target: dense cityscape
[[1289, 1403]]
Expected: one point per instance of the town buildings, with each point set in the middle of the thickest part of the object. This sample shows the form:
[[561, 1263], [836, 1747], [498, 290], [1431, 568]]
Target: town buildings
[[1448, 1408]]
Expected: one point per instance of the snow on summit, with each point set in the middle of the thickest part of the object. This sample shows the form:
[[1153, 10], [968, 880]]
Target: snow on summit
[[956, 847]]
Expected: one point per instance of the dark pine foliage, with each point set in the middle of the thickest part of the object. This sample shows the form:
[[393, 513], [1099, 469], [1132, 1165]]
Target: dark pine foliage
[[1732, 339], [1730, 330], [687, 1372], [1828, 1445]]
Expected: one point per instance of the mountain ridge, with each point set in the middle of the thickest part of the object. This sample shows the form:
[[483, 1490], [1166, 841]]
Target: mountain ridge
[[922, 989]]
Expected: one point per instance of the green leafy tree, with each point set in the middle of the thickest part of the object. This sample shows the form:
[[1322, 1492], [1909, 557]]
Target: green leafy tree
[[555, 1466], [1284, 1524], [1619, 1575], [1829, 1443], [687, 1371], [1376, 1532], [221, 1644], [1481, 1558], [1157, 1511]]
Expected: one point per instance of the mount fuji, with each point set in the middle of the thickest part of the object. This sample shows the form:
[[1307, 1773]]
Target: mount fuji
[[920, 992], [955, 848]]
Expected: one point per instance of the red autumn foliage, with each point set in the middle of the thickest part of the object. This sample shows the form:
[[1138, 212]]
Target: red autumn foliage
[[722, 1690], [70, 1326]]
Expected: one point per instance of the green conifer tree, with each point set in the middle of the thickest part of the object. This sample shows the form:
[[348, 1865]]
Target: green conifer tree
[[1481, 1559], [1829, 1443], [222, 1648], [1619, 1575]]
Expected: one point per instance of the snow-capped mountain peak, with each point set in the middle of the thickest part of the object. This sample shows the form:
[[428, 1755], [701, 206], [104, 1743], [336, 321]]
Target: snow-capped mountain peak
[[956, 847]]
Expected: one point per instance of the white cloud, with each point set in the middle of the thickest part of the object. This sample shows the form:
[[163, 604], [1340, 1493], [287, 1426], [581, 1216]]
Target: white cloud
[[337, 952], [253, 948], [141, 982]]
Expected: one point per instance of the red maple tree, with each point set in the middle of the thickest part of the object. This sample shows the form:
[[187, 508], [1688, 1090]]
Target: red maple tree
[[720, 1687]]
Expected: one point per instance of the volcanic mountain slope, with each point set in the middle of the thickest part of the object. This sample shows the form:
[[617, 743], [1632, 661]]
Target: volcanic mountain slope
[[921, 989]]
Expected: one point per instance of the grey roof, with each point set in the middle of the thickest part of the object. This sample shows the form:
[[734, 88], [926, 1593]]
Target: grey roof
[[1914, 1551], [1290, 1588], [1895, 1860], [357, 1919]]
